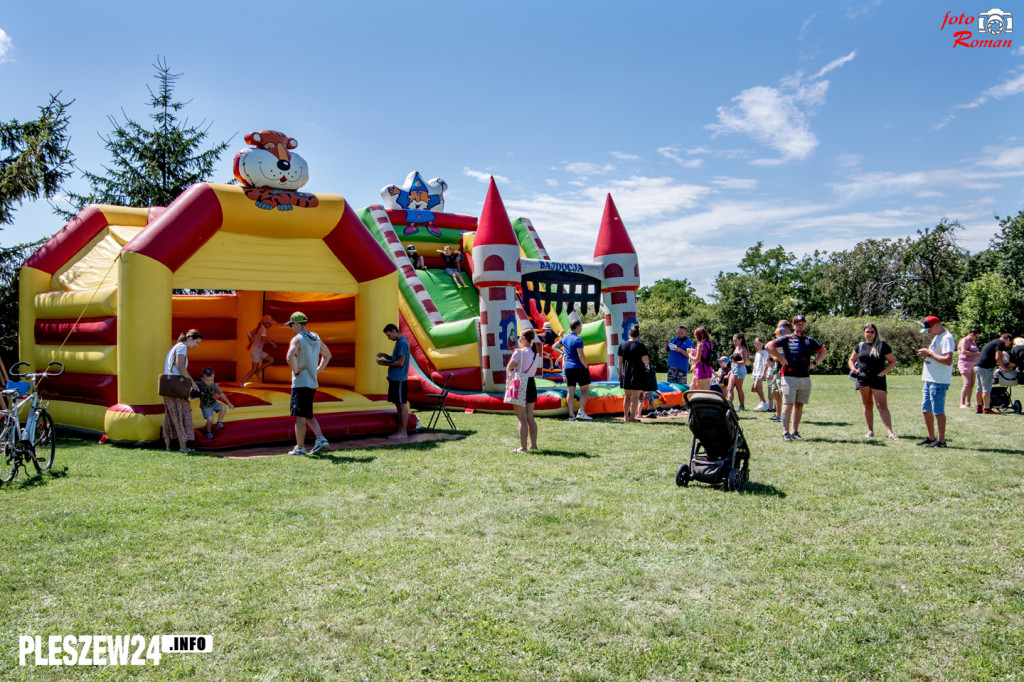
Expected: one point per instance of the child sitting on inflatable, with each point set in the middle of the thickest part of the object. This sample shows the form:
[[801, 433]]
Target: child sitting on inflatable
[[453, 264]]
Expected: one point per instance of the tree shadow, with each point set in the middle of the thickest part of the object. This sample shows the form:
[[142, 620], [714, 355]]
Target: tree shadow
[[561, 453]]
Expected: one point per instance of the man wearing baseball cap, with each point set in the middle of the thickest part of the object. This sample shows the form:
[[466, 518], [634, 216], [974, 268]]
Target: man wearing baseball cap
[[307, 357], [937, 375], [799, 355]]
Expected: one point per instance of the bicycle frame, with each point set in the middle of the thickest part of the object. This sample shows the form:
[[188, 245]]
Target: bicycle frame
[[14, 431]]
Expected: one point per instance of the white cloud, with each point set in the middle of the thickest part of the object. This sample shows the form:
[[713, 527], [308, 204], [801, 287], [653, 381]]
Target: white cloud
[[483, 177], [673, 153], [5, 45], [734, 183], [587, 168], [848, 161], [777, 116], [1000, 157], [551, 182], [834, 64], [880, 184], [624, 156], [770, 117], [1011, 86]]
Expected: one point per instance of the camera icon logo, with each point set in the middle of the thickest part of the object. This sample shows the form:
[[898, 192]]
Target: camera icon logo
[[995, 22]]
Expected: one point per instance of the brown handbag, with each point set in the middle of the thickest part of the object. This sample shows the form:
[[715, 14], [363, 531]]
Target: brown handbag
[[173, 386]]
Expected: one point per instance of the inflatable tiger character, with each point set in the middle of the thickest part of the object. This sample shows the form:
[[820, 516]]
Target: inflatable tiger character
[[271, 172]]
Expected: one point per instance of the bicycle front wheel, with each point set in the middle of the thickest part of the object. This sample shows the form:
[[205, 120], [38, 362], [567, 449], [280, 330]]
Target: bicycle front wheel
[[8, 462], [45, 441]]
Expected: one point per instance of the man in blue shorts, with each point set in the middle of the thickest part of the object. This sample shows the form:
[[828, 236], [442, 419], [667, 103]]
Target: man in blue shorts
[[398, 378], [937, 375], [576, 371], [678, 358]]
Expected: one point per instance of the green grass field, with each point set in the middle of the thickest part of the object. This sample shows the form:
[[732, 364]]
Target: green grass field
[[844, 559]]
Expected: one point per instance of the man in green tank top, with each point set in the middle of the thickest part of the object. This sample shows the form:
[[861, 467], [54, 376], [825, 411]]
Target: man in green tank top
[[307, 357]]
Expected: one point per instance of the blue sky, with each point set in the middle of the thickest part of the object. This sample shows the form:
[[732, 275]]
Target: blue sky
[[807, 124]]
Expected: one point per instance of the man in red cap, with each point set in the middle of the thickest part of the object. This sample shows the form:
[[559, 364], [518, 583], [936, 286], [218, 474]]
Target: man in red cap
[[798, 354], [937, 375]]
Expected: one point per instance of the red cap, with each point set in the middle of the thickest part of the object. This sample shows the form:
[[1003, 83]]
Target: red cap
[[494, 226], [928, 323], [612, 237]]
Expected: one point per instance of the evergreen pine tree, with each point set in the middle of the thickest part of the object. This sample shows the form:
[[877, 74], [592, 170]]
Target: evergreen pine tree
[[34, 157], [152, 166]]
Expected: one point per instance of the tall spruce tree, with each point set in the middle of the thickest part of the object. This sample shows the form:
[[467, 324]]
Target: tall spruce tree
[[152, 166], [34, 157]]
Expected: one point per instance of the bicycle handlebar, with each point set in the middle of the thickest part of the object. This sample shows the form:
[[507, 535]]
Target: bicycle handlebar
[[45, 373]]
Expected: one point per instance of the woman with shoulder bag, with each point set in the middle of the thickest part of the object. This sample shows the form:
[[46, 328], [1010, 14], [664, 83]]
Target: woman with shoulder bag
[[521, 390], [177, 411], [870, 361]]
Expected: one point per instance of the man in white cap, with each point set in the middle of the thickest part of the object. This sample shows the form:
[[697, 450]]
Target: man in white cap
[[937, 375], [307, 357]]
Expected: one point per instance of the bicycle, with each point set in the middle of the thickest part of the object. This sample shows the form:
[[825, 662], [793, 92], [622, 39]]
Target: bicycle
[[36, 440]]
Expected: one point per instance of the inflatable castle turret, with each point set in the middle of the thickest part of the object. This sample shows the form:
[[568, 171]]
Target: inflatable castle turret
[[615, 253], [496, 273]]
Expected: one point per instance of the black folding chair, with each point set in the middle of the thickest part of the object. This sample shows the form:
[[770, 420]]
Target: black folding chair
[[439, 408]]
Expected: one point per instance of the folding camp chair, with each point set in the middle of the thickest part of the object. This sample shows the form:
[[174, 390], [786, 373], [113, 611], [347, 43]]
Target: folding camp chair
[[439, 408]]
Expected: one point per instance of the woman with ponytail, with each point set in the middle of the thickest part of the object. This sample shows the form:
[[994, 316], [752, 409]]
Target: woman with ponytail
[[526, 360]]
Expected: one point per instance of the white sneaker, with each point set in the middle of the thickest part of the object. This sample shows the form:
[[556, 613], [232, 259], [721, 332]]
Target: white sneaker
[[761, 407], [301, 452], [320, 445], [583, 416]]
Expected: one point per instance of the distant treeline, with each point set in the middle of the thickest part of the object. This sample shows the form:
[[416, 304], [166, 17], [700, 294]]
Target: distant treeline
[[894, 283]]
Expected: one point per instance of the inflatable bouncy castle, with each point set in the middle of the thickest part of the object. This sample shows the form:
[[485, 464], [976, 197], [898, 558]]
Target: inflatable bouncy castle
[[468, 334], [110, 292]]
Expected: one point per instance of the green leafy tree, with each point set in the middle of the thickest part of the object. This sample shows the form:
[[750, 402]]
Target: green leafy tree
[[11, 260], [868, 279], [679, 293], [34, 157], [152, 166], [987, 303], [1008, 245], [935, 265]]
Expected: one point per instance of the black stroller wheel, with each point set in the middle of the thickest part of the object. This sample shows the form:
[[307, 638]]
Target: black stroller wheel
[[683, 476], [1016, 407], [737, 479]]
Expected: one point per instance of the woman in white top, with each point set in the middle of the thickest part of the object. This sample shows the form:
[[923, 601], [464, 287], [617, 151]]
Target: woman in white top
[[526, 360], [177, 411], [760, 372]]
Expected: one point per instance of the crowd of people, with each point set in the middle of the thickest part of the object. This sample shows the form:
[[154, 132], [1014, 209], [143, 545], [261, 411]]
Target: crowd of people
[[783, 365]]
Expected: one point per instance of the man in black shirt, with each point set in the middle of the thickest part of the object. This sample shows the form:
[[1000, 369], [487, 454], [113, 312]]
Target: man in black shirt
[[990, 358], [799, 355]]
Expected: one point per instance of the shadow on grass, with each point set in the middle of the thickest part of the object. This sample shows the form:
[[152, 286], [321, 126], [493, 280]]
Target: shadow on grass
[[34, 480], [562, 453], [339, 459], [817, 423], [860, 441], [752, 488]]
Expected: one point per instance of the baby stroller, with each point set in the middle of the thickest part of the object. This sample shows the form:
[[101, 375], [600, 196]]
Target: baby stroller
[[719, 452], [1002, 399]]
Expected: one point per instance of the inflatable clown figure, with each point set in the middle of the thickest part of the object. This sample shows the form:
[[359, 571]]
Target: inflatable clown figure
[[417, 197], [270, 172]]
